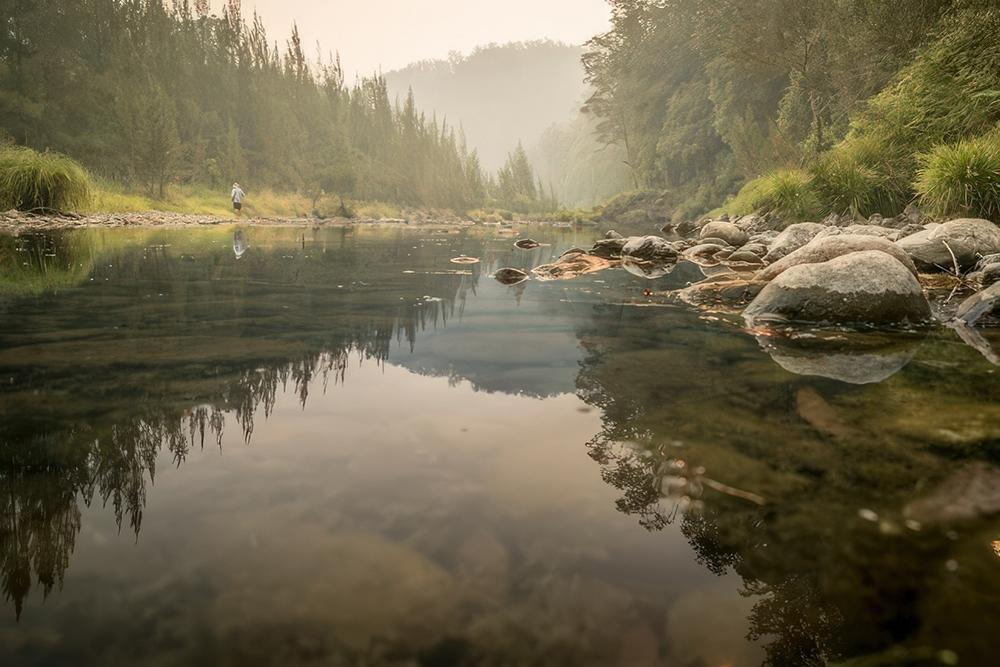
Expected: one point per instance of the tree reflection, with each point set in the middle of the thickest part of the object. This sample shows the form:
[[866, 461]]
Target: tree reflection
[[701, 429], [75, 432]]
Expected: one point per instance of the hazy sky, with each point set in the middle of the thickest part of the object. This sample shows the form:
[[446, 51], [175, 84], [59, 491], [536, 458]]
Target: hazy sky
[[393, 33]]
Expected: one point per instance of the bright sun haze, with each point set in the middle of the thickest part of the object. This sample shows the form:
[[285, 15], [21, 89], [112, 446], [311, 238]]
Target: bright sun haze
[[393, 33]]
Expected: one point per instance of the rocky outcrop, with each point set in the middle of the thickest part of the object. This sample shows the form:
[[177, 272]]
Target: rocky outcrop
[[960, 242], [825, 248], [868, 287]]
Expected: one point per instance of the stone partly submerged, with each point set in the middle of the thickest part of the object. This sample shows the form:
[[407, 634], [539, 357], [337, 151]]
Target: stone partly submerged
[[958, 243], [462, 259], [867, 287], [526, 244], [726, 231], [825, 248], [649, 249], [508, 276], [572, 265], [978, 305]]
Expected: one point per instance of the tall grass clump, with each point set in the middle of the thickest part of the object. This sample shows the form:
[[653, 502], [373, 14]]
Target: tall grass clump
[[33, 181], [861, 179], [962, 178], [787, 193], [950, 92]]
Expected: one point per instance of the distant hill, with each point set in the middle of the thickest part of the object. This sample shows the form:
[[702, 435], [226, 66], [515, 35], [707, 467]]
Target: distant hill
[[500, 94]]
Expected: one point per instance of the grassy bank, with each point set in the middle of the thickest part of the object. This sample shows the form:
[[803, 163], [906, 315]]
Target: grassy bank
[[201, 200]]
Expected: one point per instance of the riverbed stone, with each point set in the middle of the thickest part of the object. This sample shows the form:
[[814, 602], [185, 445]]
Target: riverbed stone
[[571, 266], [867, 287], [792, 238], [509, 276], [825, 248], [609, 248], [649, 249], [967, 239], [703, 253], [726, 231]]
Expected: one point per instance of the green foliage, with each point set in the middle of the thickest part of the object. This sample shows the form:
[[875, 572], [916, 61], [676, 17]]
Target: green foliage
[[962, 178], [41, 181], [689, 91], [848, 182], [150, 94], [787, 193]]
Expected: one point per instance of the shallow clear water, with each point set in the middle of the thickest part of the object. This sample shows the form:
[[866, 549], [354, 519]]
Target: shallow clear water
[[335, 446]]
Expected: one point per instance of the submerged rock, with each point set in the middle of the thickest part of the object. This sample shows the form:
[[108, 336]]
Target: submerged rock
[[794, 237], [462, 259], [868, 287], [510, 276], [571, 266], [649, 249], [526, 244], [961, 241], [726, 231], [968, 493], [825, 248]]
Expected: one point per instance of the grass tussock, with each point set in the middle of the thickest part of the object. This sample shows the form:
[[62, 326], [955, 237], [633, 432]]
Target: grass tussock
[[962, 178], [33, 181], [787, 193]]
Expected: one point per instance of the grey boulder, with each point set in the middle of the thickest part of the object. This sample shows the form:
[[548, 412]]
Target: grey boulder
[[825, 248], [868, 287], [792, 238], [649, 249], [727, 231], [960, 242]]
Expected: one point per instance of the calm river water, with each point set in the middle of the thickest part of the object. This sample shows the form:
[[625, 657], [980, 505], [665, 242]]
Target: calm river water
[[335, 446]]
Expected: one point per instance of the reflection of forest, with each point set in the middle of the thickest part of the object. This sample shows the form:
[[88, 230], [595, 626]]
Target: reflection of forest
[[799, 484], [100, 378]]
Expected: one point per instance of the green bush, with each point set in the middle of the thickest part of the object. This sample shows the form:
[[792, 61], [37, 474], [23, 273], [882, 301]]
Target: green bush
[[962, 178], [33, 181], [787, 193]]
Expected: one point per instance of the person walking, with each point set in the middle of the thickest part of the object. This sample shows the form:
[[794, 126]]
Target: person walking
[[237, 197]]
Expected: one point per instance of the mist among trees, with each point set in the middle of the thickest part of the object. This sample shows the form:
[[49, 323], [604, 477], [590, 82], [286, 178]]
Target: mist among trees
[[146, 94]]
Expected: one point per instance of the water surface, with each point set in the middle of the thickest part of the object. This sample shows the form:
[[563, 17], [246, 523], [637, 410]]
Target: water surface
[[334, 446]]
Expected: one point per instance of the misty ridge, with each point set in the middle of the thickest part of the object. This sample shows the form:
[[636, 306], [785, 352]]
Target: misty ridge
[[500, 93], [530, 93]]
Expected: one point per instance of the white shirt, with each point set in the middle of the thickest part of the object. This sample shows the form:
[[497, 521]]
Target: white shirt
[[238, 196]]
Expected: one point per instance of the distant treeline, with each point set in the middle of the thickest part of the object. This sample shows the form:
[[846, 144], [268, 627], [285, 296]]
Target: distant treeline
[[845, 101], [146, 93]]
